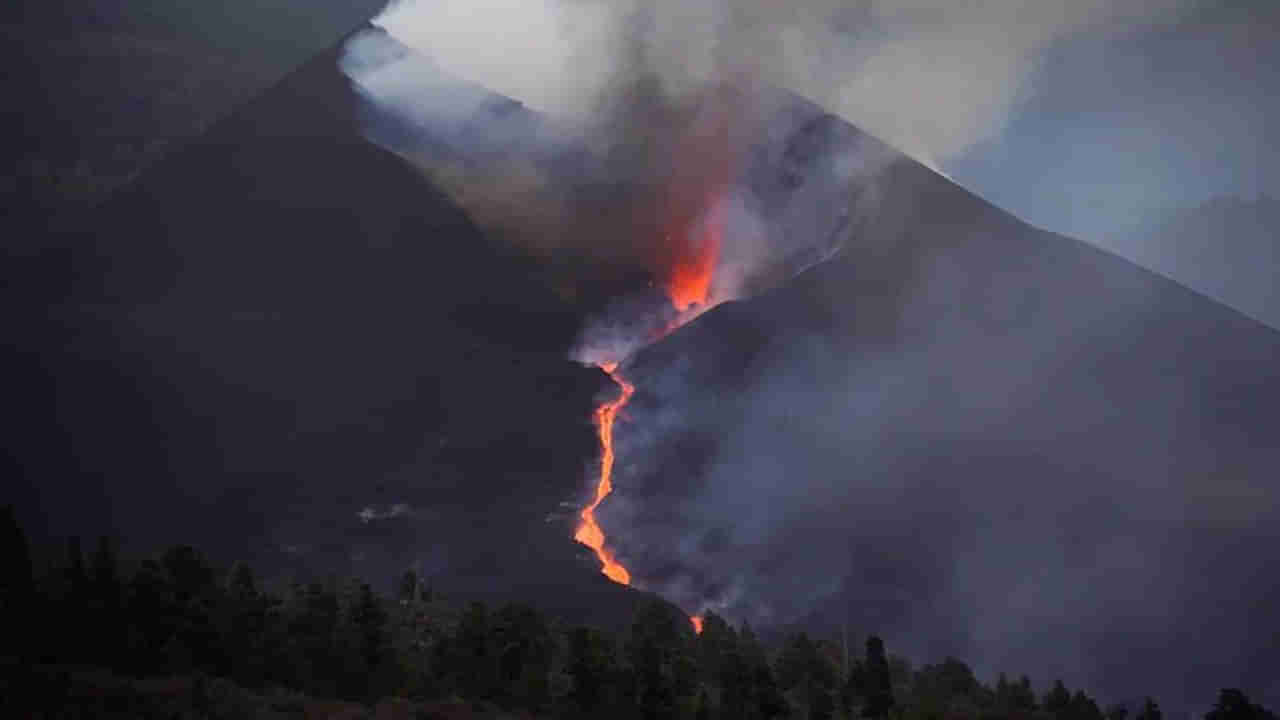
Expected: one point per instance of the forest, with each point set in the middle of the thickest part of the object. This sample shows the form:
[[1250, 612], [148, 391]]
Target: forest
[[248, 650]]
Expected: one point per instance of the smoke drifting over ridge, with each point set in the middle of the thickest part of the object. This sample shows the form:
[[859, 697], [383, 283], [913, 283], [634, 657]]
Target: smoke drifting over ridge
[[930, 77]]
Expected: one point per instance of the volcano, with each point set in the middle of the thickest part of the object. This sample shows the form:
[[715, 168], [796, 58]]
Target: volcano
[[283, 325]]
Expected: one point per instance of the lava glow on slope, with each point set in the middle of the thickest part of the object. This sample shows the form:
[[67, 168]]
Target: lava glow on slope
[[589, 532], [690, 281]]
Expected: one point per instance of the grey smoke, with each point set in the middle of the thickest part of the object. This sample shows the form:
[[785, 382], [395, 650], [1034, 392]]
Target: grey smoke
[[928, 76]]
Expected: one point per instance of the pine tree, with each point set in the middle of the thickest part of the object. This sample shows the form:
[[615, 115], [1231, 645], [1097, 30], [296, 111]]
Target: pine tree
[[770, 702], [17, 591], [1150, 711], [473, 653], [1233, 704], [821, 707], [74, 603], [1024, 698], [589, 666], [104, 612], [1117, 712], [704, 706], [408, 590], [1057, 701], [879, 684]]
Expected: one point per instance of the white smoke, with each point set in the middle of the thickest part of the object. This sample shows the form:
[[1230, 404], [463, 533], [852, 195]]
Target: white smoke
[[931, 77]]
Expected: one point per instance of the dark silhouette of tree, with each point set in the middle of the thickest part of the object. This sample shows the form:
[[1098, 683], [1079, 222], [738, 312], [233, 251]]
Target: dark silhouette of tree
[[1057, 701], [1023, 697], [408, 589], [735, 685], [104, 611], [589, 666], [716, 640], [176, 615], [1150, 711], [146, 606], [246, 627], [364, 648], [659, 637], [17, 587], [1084, 707], [73, 602], [1233, 704], [525, 652], [821, 706], [704, 706], [312, 628], [749, 645], [769, 700], [851, 692], [879, 684], [473, 655]]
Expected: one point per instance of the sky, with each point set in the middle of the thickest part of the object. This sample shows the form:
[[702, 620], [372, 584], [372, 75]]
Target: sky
[[1124, 125]]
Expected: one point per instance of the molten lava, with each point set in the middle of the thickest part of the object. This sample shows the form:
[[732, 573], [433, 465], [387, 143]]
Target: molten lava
[[589, 532], [697, 624], [690, 280]]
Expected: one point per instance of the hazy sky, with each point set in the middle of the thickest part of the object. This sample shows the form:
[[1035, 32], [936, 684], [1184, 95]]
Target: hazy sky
[[1121, 124]]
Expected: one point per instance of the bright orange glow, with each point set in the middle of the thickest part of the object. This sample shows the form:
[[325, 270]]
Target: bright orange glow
[[589, 532], [690, 281], [697, 624]]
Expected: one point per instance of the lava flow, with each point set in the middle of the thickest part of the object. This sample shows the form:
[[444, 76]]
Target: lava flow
[[687, 257], [589, 532]]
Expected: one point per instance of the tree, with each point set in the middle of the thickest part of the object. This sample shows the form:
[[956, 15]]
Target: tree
[[821, 706], [408, 590], [17, 587], [1117, 712], [770, 702], [1233, 704], [1022, 696], [1150, 711], [246, 626], [104, 611], [735, 685], [879, 685], [363, 651], [525, 651], [1083, 707], [589, 666], [1057, 701], [473, 654], [658, 648], [704, 706], [74, 601]]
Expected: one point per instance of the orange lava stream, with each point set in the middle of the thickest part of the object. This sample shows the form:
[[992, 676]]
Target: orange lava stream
[[697, 624], [589, 532]]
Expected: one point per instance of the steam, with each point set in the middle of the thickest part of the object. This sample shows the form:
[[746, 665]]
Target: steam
[[930, 77]]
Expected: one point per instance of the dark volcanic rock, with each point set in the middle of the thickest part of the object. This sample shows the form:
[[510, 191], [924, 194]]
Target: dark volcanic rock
[[281, 325], [979, 439]]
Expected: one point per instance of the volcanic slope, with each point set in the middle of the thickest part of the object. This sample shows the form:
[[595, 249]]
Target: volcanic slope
[[283, 344], [980, 439]]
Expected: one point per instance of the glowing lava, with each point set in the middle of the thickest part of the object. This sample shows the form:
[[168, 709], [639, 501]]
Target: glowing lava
[[697, 624], [690, 281], [589, 532]]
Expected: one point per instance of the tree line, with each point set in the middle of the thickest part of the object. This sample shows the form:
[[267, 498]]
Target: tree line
[[176, 613]]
